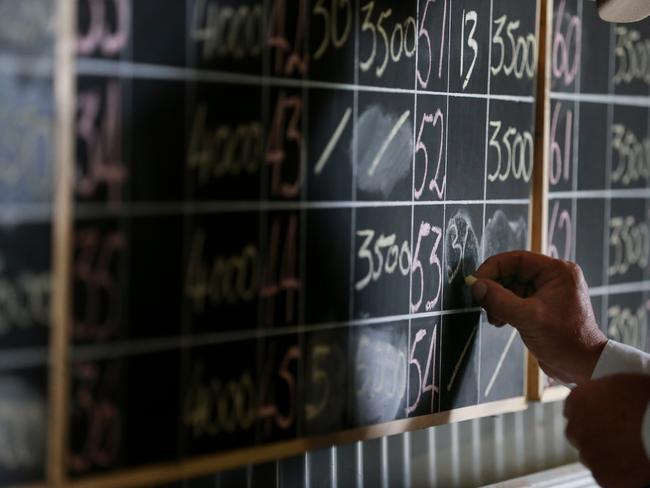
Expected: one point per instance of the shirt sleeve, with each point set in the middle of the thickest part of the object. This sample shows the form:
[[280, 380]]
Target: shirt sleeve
[[618, 358]]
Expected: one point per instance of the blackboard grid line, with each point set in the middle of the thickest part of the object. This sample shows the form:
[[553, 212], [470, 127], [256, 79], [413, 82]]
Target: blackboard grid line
[[411, 237], [122, 69], [267, 114], [355, 162], [303, 248], [15, 213], [23, 358], [185, 322], [95, 211], [485, 180], [576, 148], [624, 193], [263, 225], [445, 201], [608, 182], [147, 346], [32, 66], [620, 289], [612, 98]]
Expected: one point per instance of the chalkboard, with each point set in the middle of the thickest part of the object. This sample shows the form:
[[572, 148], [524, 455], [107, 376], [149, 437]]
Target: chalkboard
[[26, 170], [240, 229], [599, 162], [275, 206]]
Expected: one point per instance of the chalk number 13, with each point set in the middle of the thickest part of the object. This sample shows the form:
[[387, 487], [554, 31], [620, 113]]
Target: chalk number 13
[[468, 40]]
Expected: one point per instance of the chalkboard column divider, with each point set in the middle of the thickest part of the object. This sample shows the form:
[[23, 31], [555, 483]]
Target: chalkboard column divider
[[353, 210], [64, 86], [264, 197], [406, 437], [411, 236], [189, 221], [485, 169], [302, 238], [576, 146], [608, 172], [444, 197], [539, 207]]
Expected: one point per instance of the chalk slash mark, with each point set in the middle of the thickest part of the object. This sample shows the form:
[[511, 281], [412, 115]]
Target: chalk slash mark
[[460, 360], [327, 152], [375, 162], [500, 363]]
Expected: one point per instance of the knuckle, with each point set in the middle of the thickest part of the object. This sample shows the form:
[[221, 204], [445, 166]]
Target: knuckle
[[488, 264], [574, 271]]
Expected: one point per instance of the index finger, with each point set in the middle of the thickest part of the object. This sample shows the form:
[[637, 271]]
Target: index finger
[[523, 266]]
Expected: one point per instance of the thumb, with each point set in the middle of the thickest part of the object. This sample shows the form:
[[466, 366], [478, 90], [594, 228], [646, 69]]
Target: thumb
[[501, 303]]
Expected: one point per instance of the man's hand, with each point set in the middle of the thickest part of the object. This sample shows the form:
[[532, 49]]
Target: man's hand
[[547, 300], [604, 424]]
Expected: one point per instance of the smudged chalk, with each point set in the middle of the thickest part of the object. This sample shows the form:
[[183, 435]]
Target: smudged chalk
[[385, 142], [502, 234]]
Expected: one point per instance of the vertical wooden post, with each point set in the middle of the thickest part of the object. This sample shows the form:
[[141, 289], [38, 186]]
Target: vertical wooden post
[[539, 207], [61, 316]]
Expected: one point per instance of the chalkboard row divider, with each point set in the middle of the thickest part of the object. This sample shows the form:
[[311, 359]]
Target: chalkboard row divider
[[601, 194], [33, 66], [147, 346], [23, 358], [618, 289], [11, 214], [539, 207], [64, 90], [612, 99], [92, 211], [485, 179], [203, 465], [30, 357], [131, 70]]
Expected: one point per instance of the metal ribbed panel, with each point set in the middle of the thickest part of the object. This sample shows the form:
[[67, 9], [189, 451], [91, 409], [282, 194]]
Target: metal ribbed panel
[[468, 454]]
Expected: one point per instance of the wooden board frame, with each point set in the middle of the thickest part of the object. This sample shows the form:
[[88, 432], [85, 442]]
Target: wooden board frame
[[62, 252], [536, 390], [64, 89]]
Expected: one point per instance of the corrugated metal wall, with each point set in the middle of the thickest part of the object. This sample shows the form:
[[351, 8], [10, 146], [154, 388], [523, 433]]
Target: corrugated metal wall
[[468, 454]]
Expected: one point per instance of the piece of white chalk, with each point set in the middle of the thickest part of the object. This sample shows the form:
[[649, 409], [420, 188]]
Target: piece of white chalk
[[470, 280]]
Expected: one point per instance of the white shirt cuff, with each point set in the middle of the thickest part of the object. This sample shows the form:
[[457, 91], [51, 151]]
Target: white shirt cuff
[[618, 358]]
